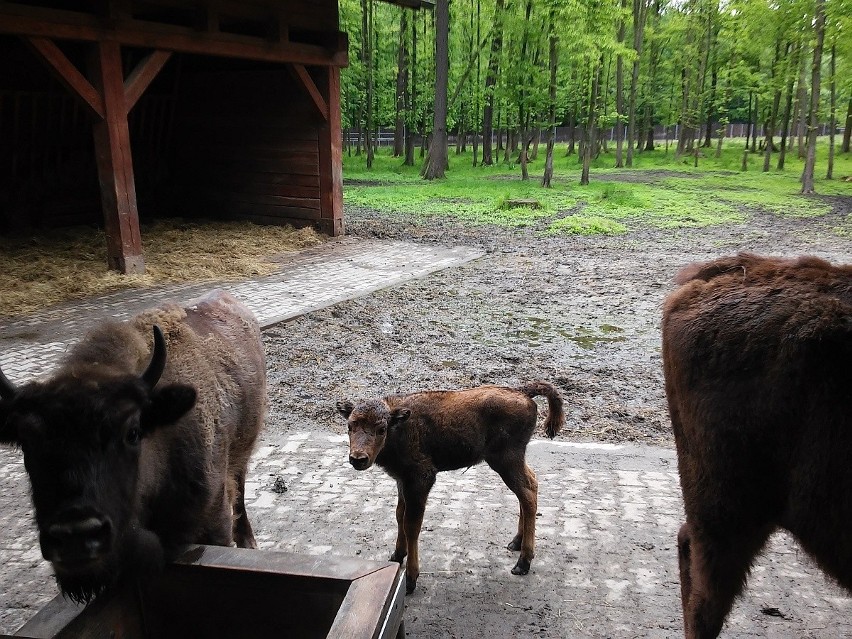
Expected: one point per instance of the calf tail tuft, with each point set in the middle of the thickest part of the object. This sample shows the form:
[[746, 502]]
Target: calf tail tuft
[[555, 419]]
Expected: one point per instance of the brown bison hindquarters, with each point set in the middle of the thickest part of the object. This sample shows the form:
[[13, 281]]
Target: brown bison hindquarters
[[756, 361]]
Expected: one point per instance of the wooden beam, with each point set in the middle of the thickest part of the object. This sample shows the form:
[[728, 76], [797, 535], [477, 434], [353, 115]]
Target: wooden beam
[[302, 75], [331, 156], [68, 74], [142, 76], [39, 22], [115, 164]]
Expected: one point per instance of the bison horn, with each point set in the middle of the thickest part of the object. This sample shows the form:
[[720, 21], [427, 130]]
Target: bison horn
[[7, 388], [158, 360]]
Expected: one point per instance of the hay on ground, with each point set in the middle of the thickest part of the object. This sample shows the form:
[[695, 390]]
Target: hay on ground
[[66, 264]]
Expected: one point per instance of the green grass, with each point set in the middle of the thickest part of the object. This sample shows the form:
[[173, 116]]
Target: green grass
[[668, 195]]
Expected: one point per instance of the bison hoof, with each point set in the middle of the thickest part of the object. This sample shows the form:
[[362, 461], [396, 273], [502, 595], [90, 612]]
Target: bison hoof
[[521, 568], [397, 557], [515, 544], [410, 584]]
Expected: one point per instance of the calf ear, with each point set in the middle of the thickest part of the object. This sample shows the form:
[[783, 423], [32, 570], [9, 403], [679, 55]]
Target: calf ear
[[168, 404], [345, 408], [399, 415]]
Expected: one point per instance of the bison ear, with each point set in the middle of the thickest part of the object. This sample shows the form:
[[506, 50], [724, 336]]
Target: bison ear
[[399, 415], [168, 404], [345, 408]]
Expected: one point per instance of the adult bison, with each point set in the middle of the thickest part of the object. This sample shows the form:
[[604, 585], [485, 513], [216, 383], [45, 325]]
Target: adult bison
[[757, 354], [132, 454], [414, 437]]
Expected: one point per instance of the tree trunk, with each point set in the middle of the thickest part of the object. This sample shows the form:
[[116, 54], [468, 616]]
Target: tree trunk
[[748, 124], [619, 94], [367, 58], [810, 160], [847, 131], [411, 104], [832, 121], [788, 105], [639, 11], [401, 86], [476, 98], [773, 113], [437, 160], [490, 82], [589, 133], [802, 97], [708, 135], [551, 120], [754, 124]]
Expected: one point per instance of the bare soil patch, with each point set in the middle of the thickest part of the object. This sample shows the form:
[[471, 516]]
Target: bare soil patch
[[580, 312]]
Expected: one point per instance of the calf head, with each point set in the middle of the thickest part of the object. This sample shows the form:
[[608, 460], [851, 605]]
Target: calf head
[[81, 435], [369, 425]]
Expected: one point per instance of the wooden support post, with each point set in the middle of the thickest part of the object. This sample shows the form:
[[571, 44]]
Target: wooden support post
[[331, 155], [115, 164], [304, 78]]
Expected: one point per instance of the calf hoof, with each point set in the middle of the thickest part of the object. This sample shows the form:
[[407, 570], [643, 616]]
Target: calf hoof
[[397, 557], [522, 567], [515, 544], [410, 584]]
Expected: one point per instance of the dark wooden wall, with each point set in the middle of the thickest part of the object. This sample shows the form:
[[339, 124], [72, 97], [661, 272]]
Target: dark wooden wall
[[248, 146]]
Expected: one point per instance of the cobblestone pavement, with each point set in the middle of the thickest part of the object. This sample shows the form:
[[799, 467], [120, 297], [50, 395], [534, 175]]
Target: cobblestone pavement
[[605, 562], [311, 279], [608, 517]]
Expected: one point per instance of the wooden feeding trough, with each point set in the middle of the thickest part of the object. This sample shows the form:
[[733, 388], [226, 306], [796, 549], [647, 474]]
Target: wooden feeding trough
[[214, 592]]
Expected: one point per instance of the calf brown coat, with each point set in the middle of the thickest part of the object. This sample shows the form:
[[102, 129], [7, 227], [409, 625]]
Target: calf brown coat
[[757, 354], [414, 437]]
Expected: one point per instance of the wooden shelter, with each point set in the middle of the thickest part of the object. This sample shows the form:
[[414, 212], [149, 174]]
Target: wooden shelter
[[212, 108]]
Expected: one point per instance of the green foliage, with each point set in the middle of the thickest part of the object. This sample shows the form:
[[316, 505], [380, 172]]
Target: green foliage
[[656, 193]]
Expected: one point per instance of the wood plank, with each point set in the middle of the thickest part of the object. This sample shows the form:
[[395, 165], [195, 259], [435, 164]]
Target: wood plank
[[331, 156], [142, 76], [358, 610], [301, 73], [18, 19], [217, 175], [68, 74], [224, 193], [263, 166], [115, 164], [259, 211]]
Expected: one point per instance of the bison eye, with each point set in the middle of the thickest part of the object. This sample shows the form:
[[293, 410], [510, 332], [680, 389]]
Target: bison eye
[[381, 430], [134, 435]]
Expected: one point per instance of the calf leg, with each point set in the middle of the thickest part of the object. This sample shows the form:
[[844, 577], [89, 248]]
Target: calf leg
[[401, 548], [522, 481], [713, 571], [243, 533], [415, 505]]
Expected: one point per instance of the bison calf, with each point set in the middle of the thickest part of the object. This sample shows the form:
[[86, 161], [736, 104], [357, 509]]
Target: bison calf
[[757, 354], [131, 455], [414, 437]]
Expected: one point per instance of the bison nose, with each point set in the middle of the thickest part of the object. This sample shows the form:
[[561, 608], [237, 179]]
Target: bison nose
[[359, 461], [77, 540]]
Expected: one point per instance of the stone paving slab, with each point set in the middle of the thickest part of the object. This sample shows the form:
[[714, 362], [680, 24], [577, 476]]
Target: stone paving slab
[[605, 561], [332, 272]]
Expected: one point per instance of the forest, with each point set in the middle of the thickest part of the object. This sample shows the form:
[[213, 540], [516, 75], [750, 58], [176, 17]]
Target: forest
[[615, 77]]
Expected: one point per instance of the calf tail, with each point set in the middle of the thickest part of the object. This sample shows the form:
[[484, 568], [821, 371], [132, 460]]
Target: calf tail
[[555, 414]]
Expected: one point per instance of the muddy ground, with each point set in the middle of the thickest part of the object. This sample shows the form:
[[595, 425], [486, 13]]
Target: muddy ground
[[580, 312]]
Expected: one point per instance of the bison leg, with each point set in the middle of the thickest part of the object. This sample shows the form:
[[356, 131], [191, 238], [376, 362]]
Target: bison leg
[[243, 533], [401, 548], [713, 573], [522, 481], [415, 505]]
